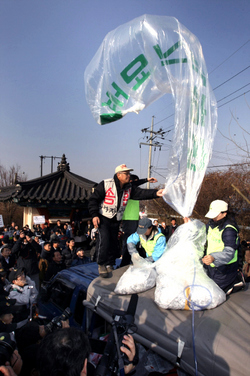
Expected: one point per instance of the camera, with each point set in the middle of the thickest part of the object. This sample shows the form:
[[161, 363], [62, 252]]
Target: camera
[[7, 347], [113, 360], [124, 324], [56, 322]]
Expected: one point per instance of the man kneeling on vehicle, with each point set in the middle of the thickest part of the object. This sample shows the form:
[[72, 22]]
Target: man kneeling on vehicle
[[150, 238]]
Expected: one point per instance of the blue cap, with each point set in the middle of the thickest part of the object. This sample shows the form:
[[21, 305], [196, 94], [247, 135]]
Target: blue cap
[[143, 225]]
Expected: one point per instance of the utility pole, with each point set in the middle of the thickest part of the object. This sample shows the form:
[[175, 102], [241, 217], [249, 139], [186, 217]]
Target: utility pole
[[150, 143], [150, 151]]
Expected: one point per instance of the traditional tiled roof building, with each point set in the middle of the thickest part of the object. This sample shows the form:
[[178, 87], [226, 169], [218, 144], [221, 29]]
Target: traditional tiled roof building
[[55, 195]]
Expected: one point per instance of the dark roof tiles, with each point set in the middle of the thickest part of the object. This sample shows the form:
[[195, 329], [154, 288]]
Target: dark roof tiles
[[58, 186]]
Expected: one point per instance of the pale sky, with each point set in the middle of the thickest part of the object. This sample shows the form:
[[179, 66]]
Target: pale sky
[[46, 46]]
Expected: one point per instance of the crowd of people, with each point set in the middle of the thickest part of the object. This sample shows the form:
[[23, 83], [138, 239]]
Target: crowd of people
[[62, 352], [45, 250], [42, 251], [29, 258]]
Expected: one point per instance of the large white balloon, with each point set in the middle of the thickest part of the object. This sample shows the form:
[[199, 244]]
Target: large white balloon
[[135, 65]]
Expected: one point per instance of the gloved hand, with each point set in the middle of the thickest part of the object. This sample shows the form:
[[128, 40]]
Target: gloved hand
[[135, 257], [138, 261], [149, 259]]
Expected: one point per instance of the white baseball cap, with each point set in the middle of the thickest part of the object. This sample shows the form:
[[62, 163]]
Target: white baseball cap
[[122, 168], [216, 207]]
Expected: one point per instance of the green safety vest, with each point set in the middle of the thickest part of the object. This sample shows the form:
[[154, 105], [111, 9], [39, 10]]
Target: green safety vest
[[149, 245], [132, 211], [215, 243]]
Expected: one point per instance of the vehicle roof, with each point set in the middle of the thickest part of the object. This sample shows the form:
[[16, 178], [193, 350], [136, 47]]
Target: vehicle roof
[[221, 334], [80, 275]]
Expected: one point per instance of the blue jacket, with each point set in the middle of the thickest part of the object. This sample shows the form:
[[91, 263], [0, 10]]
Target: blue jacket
[[158, 249], [77, 261]]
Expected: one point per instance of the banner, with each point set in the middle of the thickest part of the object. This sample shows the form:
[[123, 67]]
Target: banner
[[1, 221], [38, 219]]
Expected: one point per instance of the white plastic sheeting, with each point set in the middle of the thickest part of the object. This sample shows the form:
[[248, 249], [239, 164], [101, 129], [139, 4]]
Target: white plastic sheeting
[[140, 276], [139, 62], [181, 281]]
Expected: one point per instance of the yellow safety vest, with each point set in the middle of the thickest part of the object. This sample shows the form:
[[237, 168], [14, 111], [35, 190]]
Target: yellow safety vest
[[149, 245], [215, 243]]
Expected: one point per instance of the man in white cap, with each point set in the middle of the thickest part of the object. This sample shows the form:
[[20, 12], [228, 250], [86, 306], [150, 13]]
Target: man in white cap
[[221, 259], [106, 206]]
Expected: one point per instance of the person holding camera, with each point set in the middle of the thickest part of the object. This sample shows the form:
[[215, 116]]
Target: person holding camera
[[66, 352], [7, 260], [26, 250], [26, 339], [10, 359], [7, 312], [5, 243]]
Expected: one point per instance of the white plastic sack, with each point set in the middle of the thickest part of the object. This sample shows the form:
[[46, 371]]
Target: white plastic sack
[[139, 62], [137, 278], [181, 280]]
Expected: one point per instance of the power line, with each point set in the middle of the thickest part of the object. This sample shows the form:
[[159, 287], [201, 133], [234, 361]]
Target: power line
[[233, 93], [231, 78], [218, 106], [219, 99], [234, 99], [230, 154], [217, 88], [213, 71], [225, 154], [158, 173], [229, 56], [227, 165], [164, 119], [221, 158], [170, 104], [230, 165]]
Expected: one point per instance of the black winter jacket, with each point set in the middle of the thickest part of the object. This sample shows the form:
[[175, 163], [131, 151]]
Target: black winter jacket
[[99, 194], [68, 256], [27, 255]]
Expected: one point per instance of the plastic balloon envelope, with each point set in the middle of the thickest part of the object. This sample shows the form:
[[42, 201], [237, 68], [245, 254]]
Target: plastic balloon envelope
[[139, 62]]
